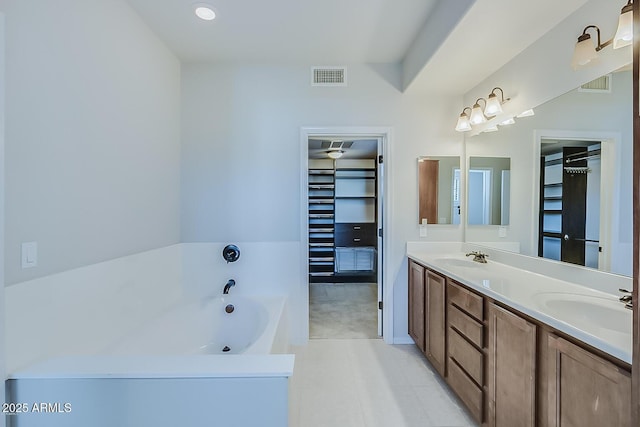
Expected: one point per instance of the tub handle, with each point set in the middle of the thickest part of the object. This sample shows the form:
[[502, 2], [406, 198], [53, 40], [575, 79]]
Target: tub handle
[[231, 253]]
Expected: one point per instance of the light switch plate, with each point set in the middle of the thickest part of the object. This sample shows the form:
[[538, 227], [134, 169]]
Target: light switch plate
[[423, 231], [502, 231], [29, 254]]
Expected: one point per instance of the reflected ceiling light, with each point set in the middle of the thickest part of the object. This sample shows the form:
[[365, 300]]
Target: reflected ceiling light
[[509, 121], [527, 113], [477, 115], [335, 154], [463, 124], [494, 106], [624, 34], [493, 128], [204, 11]]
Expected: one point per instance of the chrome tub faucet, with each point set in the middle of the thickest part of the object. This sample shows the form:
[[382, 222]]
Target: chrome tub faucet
[[231, 283]]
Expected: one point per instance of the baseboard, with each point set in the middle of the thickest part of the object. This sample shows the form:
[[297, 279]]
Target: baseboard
[[403, 340]]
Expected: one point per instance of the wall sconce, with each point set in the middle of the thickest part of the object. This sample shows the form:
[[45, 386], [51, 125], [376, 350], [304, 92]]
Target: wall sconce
[[463, 124], [478, 115], [624, 35], [494, 106], [585, 53]]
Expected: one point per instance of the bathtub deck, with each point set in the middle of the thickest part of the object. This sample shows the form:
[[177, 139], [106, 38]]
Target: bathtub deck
[[180, 366]]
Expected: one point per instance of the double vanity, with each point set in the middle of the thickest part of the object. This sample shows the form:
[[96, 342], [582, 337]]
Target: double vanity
[[518, 344]]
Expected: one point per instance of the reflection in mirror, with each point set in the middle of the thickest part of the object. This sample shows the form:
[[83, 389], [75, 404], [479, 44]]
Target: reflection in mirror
[[439, 190], [599, 112], [489, 183], [570, 202]]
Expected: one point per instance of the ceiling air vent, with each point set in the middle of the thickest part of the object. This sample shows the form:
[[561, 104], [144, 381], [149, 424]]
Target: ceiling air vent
[[599, 85], [328, 76]]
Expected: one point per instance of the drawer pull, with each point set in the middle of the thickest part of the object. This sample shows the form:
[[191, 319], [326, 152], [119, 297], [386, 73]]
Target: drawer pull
[[356, 227], [356, 240]]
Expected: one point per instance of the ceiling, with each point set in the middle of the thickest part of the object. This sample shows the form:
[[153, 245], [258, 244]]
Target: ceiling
[[328, 32], [339, 32]]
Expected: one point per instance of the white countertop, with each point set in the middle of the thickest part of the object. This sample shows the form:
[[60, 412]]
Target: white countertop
[[180, 366], [594, 317]]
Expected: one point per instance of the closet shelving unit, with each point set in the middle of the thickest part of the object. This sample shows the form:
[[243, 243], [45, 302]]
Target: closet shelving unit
[[550, 206], [342, 220], [355, 220], [321, 219]]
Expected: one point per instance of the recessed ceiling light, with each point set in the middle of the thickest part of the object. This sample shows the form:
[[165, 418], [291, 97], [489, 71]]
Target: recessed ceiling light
[[205, 12]]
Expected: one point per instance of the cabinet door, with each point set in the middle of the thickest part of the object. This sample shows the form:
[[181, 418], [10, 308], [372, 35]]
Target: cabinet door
[[512, 369], [584, 389], [416, 303], [435, 326]]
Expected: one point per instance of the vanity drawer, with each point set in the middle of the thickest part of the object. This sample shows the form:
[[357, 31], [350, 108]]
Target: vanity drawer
[[355, 234], [467, 356], [466, 390], [466, 300], [466, 325]]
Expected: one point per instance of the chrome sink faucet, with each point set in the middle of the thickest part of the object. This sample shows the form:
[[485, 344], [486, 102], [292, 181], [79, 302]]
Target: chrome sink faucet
[[478, 256], [228, 286], [627, 299]]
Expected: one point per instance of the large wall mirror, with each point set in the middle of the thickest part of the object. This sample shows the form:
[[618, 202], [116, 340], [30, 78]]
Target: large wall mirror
[[571, 199], [439, 189], [488, 182]]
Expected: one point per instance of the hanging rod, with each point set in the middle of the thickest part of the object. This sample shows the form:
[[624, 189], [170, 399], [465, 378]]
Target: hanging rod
[[593, 154]]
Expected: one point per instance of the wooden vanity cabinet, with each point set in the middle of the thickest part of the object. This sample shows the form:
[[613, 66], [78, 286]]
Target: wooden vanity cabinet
[[435, 321], [416, 303], [511, 369], [465, 347], [427, 317], [584, 389]]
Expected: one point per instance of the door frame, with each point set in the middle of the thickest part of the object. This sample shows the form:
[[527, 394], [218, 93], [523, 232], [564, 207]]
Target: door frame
[[384, 135], [610, 156]]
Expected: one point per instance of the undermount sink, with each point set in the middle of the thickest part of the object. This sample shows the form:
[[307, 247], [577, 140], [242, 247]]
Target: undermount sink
[[605, 313], [457, 262]]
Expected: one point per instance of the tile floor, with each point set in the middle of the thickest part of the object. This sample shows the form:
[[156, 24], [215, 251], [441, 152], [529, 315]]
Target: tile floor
[[367, 383], [343, 310]]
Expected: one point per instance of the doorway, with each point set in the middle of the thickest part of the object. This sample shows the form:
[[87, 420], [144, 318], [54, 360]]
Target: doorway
[[480, 196], [570, 202], [343, 222]]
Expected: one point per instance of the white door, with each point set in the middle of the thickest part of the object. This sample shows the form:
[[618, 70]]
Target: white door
[[455, 197], [379, 210]]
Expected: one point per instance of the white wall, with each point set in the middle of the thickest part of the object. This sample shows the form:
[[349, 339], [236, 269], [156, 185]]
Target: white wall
[[92, 135], [2, 319], [241, 153]]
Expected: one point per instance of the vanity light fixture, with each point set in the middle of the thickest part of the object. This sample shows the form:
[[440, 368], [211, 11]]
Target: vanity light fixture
[[494, 106], [585, 53], [624, 34], [477, 115], [204, 11], [493, 128], [507, 122], [463, 124]]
